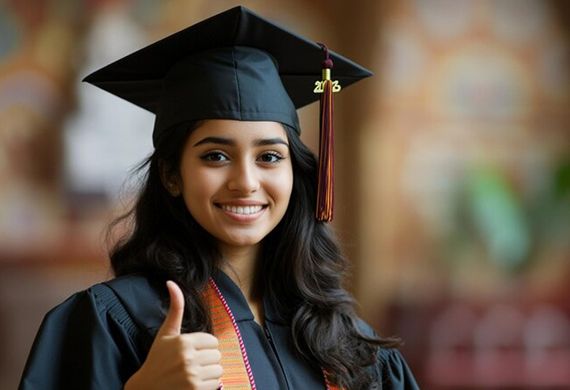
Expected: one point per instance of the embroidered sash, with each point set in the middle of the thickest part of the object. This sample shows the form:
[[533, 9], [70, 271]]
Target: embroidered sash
[[237, 373]]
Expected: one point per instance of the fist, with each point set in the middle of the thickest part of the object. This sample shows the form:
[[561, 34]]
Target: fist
[[176, 360]]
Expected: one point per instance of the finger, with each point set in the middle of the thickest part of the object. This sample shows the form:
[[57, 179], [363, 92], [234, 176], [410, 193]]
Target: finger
[[201, 340], [173, 321], [207, 356], [212, 371]]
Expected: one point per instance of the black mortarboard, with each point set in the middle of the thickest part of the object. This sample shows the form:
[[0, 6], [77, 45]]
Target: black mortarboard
[[234, 65]]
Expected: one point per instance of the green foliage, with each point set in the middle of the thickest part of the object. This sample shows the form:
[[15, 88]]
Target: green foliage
[[498, 218]]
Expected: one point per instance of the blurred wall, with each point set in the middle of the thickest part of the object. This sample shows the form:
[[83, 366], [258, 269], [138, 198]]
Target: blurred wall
[[464, 193], [453, 184]]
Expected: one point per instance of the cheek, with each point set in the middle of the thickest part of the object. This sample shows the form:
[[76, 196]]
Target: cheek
[[282, 185], [198, 187]]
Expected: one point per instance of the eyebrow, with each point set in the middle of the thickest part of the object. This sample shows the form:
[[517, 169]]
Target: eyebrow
[[231, 142]]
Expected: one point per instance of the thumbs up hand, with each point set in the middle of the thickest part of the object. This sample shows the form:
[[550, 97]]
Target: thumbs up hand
[[176, 360]]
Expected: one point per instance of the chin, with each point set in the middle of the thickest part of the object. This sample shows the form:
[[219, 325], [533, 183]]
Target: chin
[[241, 243]]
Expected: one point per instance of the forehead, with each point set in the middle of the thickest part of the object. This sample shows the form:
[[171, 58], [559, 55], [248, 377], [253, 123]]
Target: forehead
[[238, 131]]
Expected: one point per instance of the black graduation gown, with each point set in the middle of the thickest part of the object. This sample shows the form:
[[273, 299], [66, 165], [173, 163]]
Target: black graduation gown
[[99, 337]]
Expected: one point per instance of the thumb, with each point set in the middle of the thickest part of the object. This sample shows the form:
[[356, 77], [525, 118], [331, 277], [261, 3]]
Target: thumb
[[173, 321]]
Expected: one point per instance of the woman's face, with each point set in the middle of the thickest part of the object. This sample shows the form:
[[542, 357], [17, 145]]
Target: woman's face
[[236, 179]]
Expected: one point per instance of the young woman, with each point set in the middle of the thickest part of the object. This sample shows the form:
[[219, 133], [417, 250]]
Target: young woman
[[227, 279]]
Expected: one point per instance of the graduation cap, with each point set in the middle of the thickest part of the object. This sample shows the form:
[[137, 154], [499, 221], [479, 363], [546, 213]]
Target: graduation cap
[[235, 65]]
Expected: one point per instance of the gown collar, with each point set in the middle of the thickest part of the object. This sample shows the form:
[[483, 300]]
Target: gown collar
[[237, 302]]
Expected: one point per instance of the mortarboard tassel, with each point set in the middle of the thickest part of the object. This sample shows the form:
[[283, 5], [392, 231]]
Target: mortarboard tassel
[[325, 194]]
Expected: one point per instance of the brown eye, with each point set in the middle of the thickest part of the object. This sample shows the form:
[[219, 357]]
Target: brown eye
[[270, 157], [214, 157]]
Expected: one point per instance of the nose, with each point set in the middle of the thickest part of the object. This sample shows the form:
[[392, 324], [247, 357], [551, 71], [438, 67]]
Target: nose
[[244, 178]]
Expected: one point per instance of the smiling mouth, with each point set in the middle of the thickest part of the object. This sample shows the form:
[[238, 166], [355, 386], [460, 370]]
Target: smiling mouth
[[242, 210]]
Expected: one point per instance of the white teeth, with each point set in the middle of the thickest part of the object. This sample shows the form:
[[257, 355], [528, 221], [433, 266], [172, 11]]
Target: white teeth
[[244, 210]]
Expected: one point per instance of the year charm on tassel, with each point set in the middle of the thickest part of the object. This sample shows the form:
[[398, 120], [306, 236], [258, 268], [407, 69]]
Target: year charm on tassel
[[320, 86], [325, 190]]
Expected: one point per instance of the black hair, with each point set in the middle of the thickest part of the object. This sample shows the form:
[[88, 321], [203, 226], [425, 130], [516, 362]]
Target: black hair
[[301, 262]]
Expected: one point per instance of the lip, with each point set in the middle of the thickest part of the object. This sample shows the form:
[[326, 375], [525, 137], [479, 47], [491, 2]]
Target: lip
[[241, 202]]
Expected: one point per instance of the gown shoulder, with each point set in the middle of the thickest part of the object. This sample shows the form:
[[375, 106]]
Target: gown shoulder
[[93, 340], [390, 369]]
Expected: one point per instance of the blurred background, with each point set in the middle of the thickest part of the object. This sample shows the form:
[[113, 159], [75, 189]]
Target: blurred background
[[453, 185]]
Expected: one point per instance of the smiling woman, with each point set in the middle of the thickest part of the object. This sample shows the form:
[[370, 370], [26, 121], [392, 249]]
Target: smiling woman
[[236, 178], [229, 277]]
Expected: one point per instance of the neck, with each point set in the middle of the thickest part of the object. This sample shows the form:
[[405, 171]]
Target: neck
[[239, 263]]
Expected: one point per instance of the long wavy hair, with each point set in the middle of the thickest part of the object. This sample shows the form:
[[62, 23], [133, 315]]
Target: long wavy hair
[[301, 262]]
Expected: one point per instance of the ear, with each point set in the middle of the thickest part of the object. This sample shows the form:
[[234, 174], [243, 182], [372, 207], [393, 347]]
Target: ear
[[169, 179]]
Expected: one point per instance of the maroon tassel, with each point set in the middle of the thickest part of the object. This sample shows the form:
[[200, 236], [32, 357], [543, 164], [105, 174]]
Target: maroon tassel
[[325, 194]]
